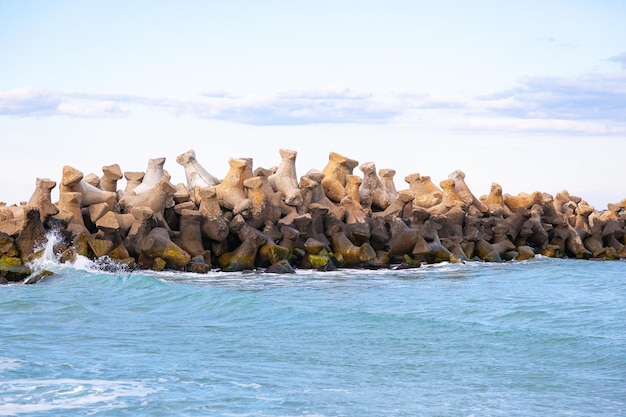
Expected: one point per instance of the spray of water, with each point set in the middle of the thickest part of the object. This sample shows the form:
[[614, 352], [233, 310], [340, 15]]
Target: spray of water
[[50, 261]]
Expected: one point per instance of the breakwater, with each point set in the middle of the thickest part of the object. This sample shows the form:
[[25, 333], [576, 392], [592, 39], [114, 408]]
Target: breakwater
[[269, 219]]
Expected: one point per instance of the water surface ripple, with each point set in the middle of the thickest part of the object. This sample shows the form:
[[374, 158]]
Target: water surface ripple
[[540, 337]]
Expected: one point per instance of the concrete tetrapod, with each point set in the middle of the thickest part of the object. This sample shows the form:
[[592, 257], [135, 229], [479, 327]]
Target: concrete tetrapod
[[386, 176], [495, 202], [156, 199], [285, 180], [72, 181], [373, 186], [313, 193], [213, 225], [335, 174], [463, 191], [425, 193], [153, 175], [159, 245], [195, 173], [230, 192], [42, 198], [111, 175]]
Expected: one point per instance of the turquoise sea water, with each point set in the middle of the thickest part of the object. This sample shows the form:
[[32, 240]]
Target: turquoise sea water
[[544, 337]]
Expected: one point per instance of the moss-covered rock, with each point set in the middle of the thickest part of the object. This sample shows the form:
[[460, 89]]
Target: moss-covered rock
[[12, 269], [158, 264], [281, 267], [39, 276]]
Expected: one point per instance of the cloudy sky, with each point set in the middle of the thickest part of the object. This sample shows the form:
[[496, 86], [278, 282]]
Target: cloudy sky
[[528, 94]]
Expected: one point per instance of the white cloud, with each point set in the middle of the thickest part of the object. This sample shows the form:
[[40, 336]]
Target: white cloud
[[621, 59], [594, 97], [96, 109], [28, 102], [297, 108], [329, 93], [592, 104], [539, 125], [564, 44]]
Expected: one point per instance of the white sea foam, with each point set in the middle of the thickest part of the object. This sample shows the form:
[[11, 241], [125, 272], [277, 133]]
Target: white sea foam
[[25, 396], [6, 364], [48, 260], [242, 385], [51, 261]]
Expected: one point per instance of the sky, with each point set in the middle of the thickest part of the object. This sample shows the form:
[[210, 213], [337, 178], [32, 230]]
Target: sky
[[528, 94]]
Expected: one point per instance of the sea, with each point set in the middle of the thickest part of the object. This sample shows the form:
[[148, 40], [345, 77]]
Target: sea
[[543, 337]]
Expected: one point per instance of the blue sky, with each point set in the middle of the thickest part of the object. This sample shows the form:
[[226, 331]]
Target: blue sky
[[531, 95]]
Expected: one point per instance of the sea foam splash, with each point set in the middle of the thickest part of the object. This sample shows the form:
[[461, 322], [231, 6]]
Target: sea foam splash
[[68, 394], [50, 259]]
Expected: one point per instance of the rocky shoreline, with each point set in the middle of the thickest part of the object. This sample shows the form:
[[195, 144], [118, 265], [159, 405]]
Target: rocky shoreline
[[267, 219]]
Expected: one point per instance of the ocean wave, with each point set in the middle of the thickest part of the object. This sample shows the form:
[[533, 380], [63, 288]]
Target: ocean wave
[[526, 338], [27, 396], [7, 364]]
